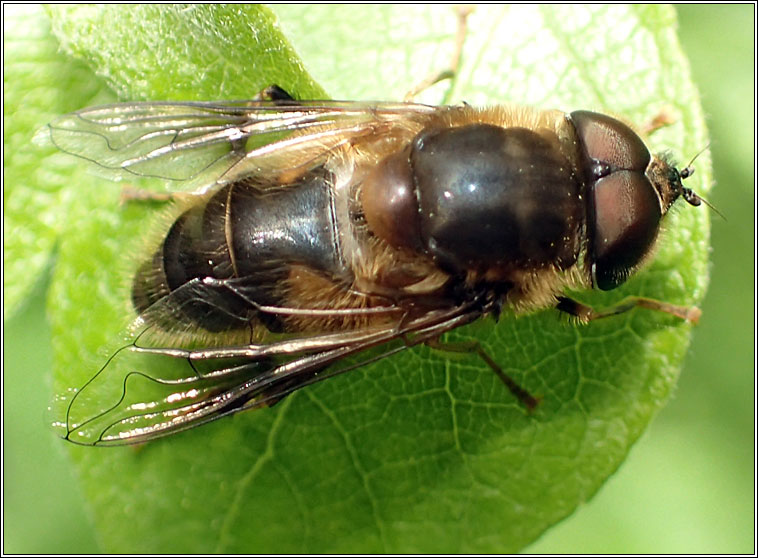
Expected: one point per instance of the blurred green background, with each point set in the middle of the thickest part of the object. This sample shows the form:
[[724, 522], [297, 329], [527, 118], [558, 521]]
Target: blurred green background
[[688, 485]]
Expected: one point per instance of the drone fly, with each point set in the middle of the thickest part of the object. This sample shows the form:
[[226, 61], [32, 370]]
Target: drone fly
[[328, 229]]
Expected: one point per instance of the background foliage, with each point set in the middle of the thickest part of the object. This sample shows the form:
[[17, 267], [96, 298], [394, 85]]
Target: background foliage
[[43, 498]]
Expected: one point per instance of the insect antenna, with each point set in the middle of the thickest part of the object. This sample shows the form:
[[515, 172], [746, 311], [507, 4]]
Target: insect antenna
[[691, 197]]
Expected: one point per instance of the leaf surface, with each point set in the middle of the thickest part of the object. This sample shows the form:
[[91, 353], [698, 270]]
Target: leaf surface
[[421, 452]]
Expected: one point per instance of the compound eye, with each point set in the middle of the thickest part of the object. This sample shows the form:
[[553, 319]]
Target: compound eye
[[608, 141], [627, 214]]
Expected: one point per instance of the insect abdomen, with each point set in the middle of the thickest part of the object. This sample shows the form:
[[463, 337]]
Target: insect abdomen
[[221, 259]]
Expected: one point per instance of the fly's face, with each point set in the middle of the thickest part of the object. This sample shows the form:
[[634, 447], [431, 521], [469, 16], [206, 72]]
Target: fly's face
[[323, 230]]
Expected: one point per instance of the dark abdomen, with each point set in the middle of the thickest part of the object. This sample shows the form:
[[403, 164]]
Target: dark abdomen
[[222, 258]]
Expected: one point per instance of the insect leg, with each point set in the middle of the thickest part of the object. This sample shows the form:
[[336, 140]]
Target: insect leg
[[448, 73], [131, 194], [586, 313], [276, 94], [527, 399], [665, 117]]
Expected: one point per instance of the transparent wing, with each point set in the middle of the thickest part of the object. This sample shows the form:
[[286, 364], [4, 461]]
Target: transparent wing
[[206, 142], [143, 393]]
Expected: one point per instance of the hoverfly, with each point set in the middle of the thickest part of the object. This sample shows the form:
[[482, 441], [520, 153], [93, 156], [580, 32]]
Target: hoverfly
[[327, 229]]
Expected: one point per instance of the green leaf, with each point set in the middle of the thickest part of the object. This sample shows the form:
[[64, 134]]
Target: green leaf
[[183, 52], [421, 452], [39, 83]]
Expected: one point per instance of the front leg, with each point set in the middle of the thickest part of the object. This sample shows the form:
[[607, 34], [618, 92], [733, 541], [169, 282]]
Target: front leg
[[586, 313]]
